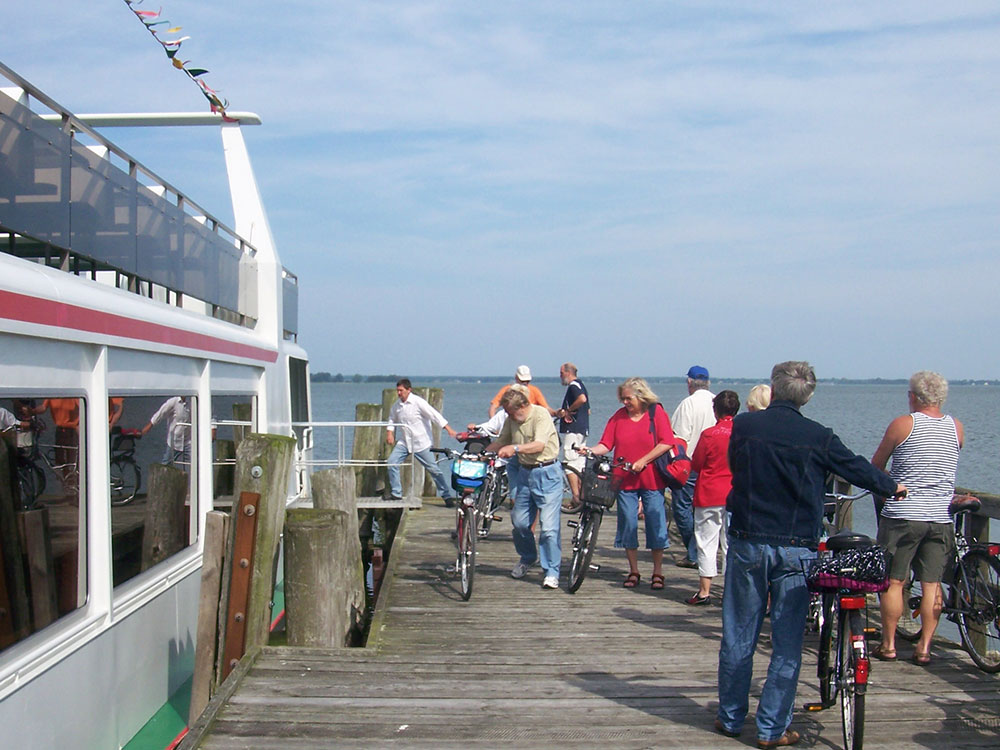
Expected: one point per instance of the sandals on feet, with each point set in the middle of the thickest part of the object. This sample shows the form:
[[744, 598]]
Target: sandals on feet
[[656, 582], [883, 654], [921, 660], [631, 581]]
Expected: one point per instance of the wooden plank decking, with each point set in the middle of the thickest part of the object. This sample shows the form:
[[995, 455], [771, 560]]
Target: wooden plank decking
[[521, 667]]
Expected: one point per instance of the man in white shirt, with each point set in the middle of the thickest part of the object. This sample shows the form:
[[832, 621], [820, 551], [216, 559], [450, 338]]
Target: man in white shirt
[[178, 416], [693, 416], [415, 416]]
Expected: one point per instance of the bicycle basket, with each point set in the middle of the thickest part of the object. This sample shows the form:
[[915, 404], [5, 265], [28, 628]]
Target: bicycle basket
[[467, 474], [864, 569], [598, 484]]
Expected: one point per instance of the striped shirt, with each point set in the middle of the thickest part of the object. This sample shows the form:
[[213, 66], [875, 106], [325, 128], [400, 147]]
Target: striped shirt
[[925, 463]]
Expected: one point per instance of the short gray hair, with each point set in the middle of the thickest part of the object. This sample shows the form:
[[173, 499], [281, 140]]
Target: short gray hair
[[929, 388], [793, 381], [698, 384], [512, 399]]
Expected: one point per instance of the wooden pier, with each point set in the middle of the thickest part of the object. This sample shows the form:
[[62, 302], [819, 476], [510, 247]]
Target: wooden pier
[[518, 666]]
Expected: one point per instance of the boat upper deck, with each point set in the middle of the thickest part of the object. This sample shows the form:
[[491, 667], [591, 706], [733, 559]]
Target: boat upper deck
[[518, 666]]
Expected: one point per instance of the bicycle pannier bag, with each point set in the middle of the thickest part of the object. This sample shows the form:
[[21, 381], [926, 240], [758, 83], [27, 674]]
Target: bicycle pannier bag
[[467, 474], [862, 569]]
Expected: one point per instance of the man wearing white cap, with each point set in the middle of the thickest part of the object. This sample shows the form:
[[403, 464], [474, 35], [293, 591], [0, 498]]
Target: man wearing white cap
[[523, 376]]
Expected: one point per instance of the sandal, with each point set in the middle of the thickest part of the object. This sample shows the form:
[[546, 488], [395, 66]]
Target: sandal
[[656, 582], [921, 660], [631, 581], [883, 654]]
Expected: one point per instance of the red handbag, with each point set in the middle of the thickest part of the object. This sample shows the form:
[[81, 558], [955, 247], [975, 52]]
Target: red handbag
[[674, 465]]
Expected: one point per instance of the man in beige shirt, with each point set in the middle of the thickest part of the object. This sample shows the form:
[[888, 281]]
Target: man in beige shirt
[[530, 439]]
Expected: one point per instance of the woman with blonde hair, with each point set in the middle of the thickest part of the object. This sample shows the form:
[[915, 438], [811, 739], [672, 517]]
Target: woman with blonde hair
[[759, 398], [629, 434]]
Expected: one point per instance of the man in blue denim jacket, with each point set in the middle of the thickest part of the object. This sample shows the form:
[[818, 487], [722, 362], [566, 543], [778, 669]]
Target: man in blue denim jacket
[[780, 461]]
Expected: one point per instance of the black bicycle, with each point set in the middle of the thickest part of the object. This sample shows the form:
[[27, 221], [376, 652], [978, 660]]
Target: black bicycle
[[970, 593], [843, 664], [126, 477], [598, 491]]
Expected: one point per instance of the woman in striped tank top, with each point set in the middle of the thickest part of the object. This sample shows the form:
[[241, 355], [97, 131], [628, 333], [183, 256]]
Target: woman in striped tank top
[[917, 529]]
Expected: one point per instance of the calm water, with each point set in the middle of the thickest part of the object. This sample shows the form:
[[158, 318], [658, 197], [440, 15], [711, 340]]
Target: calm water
[[859, 414]]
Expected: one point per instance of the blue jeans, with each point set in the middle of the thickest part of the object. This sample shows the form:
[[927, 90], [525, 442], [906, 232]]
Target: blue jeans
[[681, 503], [399, 452], [753, 571], [537, 492], [653, 508]]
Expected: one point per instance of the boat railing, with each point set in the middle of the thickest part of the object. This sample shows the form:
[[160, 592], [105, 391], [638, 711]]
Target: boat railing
[[331, 450], [73, 200]]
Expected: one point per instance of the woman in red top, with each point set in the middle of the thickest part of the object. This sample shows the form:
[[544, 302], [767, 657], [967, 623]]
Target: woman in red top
[[711, 461], [628, 434]]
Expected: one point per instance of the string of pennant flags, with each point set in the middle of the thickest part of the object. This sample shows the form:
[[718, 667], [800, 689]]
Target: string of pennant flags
[[153, 20]]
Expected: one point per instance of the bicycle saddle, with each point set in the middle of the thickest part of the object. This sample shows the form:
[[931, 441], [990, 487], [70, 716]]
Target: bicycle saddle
[[847, 540], [964, 503]]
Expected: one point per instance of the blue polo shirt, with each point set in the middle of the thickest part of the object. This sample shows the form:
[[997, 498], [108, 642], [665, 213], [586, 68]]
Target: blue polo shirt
[[581, 419]]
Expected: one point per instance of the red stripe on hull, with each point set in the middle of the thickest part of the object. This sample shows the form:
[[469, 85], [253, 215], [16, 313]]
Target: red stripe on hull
[[27, 309]]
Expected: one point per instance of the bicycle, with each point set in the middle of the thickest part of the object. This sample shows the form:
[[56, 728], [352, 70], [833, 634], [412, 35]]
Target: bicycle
[[495, 484], [126, 477], [32, 457], [468, 476], [598, 492], [843, 663], [972, 600]]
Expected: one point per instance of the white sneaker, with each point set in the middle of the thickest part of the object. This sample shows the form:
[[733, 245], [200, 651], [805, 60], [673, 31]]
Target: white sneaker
[[519, 570], [550, 582]]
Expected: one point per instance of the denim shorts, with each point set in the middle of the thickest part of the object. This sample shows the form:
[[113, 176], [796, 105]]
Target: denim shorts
[[922, 545]]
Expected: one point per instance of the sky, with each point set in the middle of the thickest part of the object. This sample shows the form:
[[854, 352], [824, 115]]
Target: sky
[[632, 186]]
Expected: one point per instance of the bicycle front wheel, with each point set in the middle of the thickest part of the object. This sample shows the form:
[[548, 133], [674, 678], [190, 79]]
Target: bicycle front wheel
[[125, 479], [826, 665], [467, 549], [909, 624], [584, 543], [976, 592], [852, 700]]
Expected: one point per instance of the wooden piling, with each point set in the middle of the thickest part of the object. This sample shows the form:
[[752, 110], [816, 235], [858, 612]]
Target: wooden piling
[[367, 446], [324, 601], [41, 571], [263, 467], [15, 615], [216, 528], [165, 527]]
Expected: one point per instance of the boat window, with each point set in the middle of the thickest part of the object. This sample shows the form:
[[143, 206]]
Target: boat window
[[43, 530], [233, 417], [152, 481], [298, 382]]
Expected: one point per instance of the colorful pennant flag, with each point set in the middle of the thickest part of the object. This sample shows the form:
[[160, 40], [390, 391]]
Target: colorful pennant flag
[[151, 19]]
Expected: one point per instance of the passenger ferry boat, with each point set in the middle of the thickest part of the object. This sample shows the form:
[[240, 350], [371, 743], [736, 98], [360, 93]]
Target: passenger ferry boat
[[119, 295]]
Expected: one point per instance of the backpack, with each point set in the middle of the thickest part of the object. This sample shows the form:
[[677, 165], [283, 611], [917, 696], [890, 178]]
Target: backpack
[[674, 465]]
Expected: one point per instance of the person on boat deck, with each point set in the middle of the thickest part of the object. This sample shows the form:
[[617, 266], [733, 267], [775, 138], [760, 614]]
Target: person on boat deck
[[918, 530], [711, 461], [779, 460], [414, 416], [522, 376], [66, 417], [529, 437], [177, 412], [692, 417], [630, 434]]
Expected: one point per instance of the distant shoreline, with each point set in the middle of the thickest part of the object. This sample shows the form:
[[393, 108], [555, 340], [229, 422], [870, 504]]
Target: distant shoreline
[[326, 377]]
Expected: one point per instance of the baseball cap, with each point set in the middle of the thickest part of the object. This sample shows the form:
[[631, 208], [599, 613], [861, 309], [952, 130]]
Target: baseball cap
[[523, 373], [698, 373]]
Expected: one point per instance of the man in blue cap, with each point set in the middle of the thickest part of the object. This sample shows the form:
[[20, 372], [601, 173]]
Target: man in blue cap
[[692, 416]]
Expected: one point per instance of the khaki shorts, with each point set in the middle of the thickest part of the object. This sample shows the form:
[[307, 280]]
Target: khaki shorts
[[924, 546], [570, 456]]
